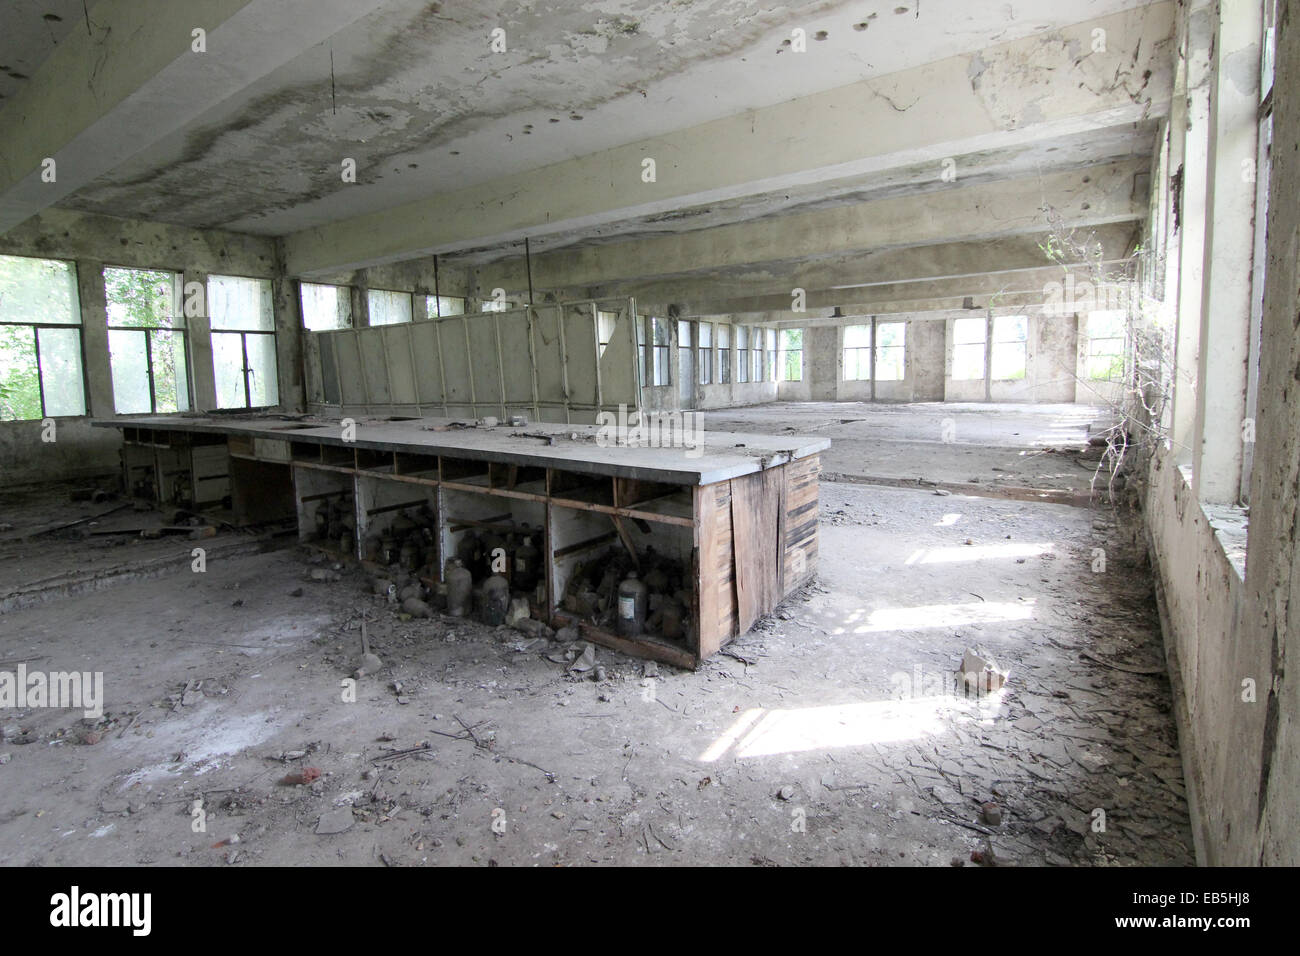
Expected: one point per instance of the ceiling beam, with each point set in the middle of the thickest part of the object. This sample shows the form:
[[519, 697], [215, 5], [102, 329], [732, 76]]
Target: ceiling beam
[[844, 277], [1080, 199], [1018, 287], [1027, 91]]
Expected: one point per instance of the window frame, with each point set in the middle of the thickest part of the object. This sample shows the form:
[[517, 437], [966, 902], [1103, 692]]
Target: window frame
[[177, 302], [660, 366], [213, 332], [399, 294], [345, 298], [723, 349], [879, 349], [982, 345], [784, 352], [857, 351], [995, 343], [437, 313], [704, 353], [72, 269]]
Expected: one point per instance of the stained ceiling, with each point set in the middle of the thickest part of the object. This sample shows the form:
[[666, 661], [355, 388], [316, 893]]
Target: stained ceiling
[[414, 93]]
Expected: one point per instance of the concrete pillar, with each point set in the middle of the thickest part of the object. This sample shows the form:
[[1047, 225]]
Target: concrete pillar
[[202, 373], [289, 336], [1267, 777], [1229, 250], [94, 338], [361, 306], [1192, 214]]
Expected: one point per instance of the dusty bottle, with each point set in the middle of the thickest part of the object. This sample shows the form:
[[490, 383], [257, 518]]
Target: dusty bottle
[[632, 599], [496, 554], [671, 621], [496, 600], [468, 549], [409, 555], [460, 588], [526, 565]]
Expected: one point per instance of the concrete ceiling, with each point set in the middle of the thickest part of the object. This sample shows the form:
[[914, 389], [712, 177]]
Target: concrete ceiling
[[414, 94], [29, 32], [461, 151]]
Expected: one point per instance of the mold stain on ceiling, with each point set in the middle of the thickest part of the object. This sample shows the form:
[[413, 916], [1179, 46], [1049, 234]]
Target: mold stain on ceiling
[[414, 94]]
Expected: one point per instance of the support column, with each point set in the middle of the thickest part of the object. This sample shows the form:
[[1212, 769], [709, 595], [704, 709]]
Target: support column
[[289, 336], [202, 372], [1192, 226], [94, 338], [1229, 250]]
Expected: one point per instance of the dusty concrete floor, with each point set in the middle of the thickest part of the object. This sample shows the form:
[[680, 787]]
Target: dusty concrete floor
[[52, 546], [842, 699], [1025, 451]]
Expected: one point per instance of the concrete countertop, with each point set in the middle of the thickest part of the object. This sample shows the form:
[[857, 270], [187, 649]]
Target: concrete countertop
[[723, 455]]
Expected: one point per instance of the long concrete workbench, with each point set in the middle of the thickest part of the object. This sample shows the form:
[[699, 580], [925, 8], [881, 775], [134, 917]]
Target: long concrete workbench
[[736, 512]]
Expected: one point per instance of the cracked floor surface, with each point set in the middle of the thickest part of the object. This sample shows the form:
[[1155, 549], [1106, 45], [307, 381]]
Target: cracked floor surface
[[827, 735]]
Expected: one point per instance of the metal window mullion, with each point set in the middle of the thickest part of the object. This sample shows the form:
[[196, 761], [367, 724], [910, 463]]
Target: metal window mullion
[[595, 318], [248, 390], [148, 361], [40, 378]]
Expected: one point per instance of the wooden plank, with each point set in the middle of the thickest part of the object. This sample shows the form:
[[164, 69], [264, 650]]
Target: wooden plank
[[626, 538], [644, 646], [755, 517], [717, 577], [800, 518]]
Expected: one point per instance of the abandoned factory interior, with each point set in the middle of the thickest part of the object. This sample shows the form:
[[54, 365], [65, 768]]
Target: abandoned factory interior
[[664, 434]]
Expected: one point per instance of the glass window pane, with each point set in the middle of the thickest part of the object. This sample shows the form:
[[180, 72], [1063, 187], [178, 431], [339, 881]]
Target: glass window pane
[[857, 337], [170, 379], [61, 371], [228, 367], [263, 380], [889, 364], [706, 335], [20, 393], [968, 361], [239, 304], [389, 308], [684, 334], [661, 331], [1106, 325], [129, 358], [1008, 360], [969, 332], [441, 306], [325, 307], [890, 333], [1010, 328], [141, 299], [605, 323], [724, 336], [38, 290]]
